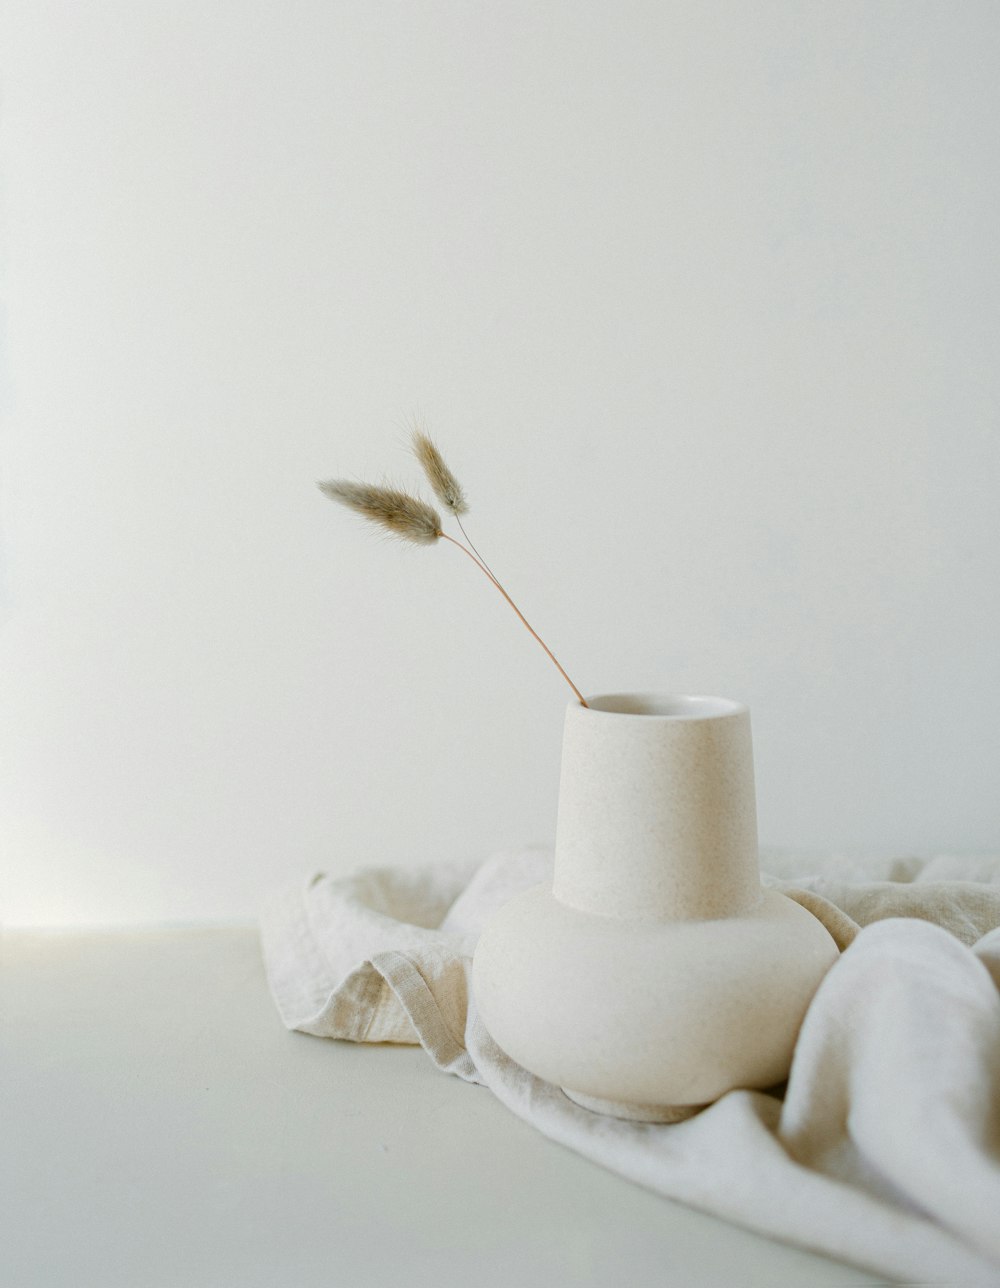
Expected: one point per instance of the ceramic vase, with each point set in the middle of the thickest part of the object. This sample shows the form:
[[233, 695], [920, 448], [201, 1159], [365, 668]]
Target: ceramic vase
[[655, 973]]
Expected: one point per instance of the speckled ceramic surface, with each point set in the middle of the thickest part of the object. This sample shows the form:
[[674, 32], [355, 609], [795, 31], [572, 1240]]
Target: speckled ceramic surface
[[655, 974]]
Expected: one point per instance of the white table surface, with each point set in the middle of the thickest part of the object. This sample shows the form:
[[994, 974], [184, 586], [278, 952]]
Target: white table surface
[[160, 1127]]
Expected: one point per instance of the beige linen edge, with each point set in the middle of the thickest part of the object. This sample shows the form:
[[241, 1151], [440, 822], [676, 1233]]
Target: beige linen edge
[[885, 1147]]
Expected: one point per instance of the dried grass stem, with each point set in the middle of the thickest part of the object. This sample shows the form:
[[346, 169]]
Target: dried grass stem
[[473, 545], [412, 519], [527, 624]]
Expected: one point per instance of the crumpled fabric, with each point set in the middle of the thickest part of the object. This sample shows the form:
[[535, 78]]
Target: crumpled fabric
[[882, 1150]]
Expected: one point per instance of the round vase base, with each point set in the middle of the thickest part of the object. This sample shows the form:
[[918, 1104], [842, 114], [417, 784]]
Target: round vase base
[[633, 1112]]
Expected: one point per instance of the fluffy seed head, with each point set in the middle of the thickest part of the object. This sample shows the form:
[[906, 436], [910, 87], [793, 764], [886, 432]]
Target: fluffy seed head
[[445, 485], [404, 516]]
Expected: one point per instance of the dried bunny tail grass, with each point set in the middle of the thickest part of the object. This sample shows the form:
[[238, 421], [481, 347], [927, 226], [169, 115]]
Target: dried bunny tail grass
[[444, 484], [412, 519], [404, 516]]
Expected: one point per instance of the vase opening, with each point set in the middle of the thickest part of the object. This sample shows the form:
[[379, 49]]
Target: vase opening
[[664, 705]]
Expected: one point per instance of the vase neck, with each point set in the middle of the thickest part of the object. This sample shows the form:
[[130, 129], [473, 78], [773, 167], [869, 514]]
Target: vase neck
[[657, 816]]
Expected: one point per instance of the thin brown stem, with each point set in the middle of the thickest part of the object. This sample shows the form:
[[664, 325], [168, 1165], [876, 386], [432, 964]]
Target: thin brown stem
[[471, 543], [482, 566]]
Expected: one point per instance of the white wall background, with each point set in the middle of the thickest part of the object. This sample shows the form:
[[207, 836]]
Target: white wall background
[[702, 301]]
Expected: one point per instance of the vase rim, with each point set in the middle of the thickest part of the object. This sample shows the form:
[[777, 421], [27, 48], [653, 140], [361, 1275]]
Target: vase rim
[[660, 706]]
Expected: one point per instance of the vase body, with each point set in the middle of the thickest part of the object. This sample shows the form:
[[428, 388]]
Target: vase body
[[655, 973]]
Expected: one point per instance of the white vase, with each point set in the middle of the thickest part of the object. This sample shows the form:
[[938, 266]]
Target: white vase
[[655, 973]]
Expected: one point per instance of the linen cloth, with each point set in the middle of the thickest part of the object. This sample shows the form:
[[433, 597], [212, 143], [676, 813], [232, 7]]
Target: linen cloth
[[882, 1150]]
